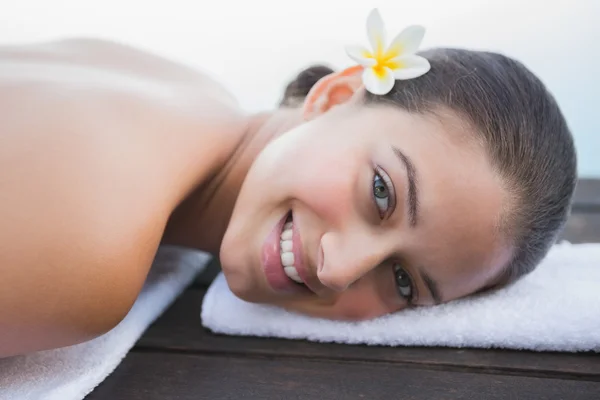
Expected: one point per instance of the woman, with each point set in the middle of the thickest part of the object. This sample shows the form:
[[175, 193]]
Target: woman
[[349, 206]]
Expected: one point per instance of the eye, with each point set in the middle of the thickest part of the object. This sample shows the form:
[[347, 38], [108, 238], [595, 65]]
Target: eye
[[404, 283], [382, 193]]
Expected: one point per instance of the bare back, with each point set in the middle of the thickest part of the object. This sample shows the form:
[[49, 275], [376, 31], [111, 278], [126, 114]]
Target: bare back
[[98, 144]]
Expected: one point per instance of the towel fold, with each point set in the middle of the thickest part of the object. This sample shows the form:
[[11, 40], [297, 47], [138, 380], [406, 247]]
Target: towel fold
[[70, 373], [555, 308]]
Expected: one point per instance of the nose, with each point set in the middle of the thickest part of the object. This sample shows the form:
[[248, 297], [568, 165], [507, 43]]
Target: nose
[[345, 258]]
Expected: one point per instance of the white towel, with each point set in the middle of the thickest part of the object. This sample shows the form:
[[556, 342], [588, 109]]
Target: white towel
[[70, 373], [556, 307]]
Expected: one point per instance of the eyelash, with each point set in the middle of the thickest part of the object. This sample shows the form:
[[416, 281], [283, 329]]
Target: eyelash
[[378, 172], [387, 182], [413, 291]]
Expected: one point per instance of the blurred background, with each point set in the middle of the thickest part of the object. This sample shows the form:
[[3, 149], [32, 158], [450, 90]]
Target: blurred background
[[255, 47]]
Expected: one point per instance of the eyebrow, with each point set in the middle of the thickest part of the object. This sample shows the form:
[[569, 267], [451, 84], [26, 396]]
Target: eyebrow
[[413, 208], [411, 173], [431, 285]]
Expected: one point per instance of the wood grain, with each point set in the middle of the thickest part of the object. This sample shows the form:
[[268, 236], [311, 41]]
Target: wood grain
[[154, 376], [180, 329], [587, 195], [178, 359], [582, 227]]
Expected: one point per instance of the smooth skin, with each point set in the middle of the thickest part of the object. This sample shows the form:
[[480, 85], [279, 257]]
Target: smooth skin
[[99, 143], [107, 151], [325, 172]]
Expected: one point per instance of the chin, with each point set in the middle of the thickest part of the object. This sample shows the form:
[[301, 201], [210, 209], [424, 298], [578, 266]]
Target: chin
[[239, 282], [246, 293], [238, 269], [238, 288]]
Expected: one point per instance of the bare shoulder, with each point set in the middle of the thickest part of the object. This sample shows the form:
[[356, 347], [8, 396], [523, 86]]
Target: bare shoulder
[[119, 57], [104, 136], [98, 143], [116, 91]]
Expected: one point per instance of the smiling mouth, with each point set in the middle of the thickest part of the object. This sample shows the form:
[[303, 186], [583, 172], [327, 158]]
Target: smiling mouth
[[286, 250]]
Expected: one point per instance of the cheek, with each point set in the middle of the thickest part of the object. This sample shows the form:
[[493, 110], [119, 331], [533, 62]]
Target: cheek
[[327, 190], [367, 299], [372, 296], [319, 174], [359, 307]]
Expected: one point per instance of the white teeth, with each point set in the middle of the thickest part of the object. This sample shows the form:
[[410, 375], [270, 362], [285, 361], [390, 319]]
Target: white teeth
[[287, 259], [287, 256], [286, 234], [292, 274], [286, 245]]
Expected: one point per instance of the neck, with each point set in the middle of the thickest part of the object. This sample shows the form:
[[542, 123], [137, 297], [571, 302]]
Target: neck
[[200, 221]]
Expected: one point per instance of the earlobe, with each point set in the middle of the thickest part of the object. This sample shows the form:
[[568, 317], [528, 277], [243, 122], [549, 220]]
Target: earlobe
[[333, 89]]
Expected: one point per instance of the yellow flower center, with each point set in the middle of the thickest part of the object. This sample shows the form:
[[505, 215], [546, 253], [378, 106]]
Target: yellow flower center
[[383, 58]]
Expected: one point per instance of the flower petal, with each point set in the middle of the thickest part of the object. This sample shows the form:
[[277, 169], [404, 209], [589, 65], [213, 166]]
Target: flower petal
[[361, 55], [378, 83], [407, 42], [376, 31], [409, 67]]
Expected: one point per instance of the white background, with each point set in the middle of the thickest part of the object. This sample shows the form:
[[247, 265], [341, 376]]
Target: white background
[[254, 47]]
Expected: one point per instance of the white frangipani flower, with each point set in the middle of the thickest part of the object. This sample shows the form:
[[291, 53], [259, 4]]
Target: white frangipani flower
[[383, 65]]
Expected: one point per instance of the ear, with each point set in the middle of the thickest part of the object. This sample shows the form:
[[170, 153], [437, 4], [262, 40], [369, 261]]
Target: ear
[[331, 90]]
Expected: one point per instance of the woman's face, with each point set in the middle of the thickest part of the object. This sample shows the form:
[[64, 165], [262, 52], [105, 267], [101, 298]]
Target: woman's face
[[373, 209]]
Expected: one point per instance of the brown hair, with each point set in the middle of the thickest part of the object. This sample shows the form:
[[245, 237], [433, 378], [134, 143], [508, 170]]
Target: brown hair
[[520, 124], [298, 88]]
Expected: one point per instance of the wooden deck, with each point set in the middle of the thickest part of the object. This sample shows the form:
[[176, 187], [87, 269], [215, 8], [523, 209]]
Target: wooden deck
[[178, 359]]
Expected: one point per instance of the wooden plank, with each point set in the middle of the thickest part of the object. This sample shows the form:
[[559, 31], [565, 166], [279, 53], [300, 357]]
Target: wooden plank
[[582, 227], [180, 329], [233, 367], [154, 376], [587, 194]]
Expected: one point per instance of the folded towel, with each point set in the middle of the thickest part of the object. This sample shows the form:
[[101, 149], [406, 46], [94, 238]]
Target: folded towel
[[556, 307], [70, 373]]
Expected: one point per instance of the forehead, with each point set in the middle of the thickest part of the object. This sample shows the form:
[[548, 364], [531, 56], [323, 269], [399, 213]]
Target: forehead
[[461, 201]]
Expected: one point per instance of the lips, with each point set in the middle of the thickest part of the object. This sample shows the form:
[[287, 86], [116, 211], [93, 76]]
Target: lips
[[271, 262], [309, 279]]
